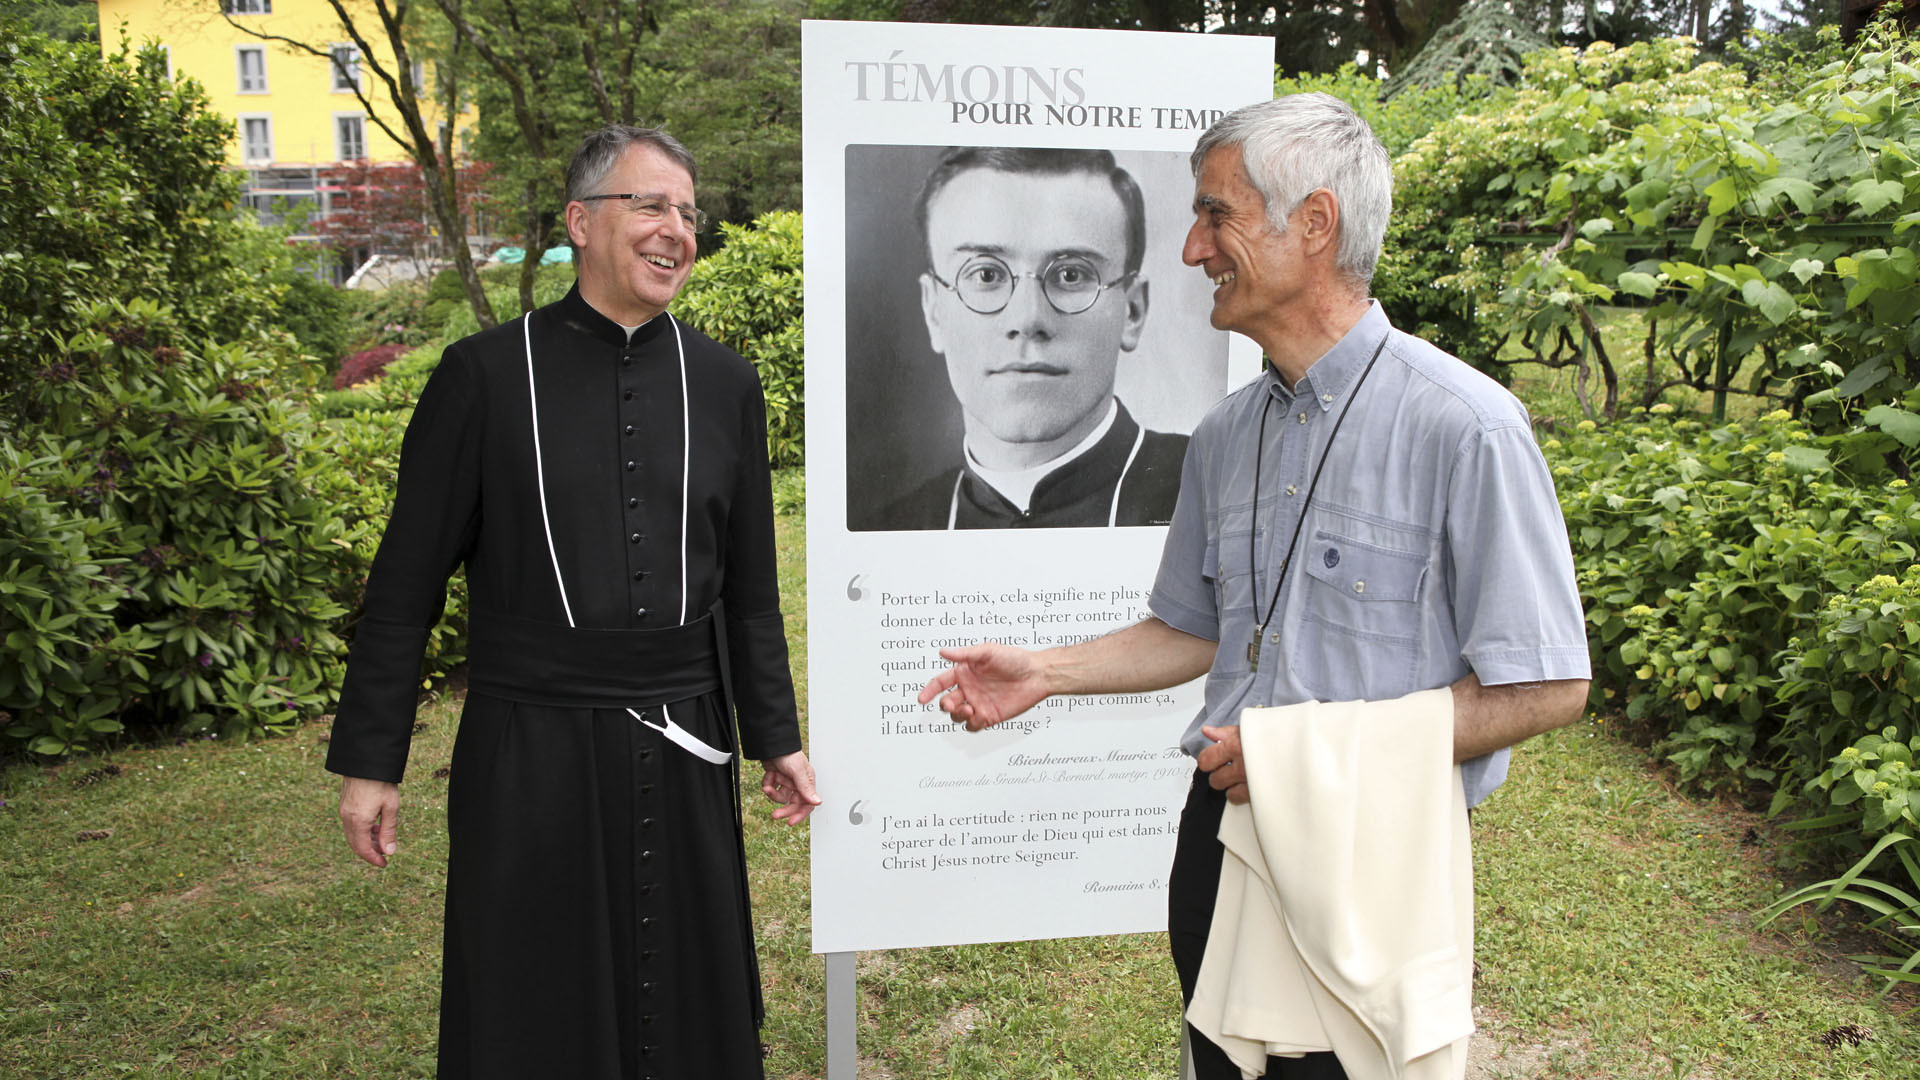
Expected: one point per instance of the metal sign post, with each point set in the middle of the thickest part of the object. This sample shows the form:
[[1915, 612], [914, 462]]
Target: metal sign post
[[843, 1018]]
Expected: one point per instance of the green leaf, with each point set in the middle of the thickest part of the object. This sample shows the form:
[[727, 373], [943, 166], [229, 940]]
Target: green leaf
[[1898, 423], [1721, 656], [1773, 301], [1873, 196], [1635, 283], [1800, 191], [1722, 195], [1703, 235], [1862, 378], [1807, 459], [1693, 277]]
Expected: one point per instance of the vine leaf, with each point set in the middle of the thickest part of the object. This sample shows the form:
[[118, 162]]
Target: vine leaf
[[1873, 196], [1898, 423], [1638, 284]]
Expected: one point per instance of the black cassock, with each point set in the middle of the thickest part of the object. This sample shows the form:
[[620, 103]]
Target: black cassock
[[596, 922]]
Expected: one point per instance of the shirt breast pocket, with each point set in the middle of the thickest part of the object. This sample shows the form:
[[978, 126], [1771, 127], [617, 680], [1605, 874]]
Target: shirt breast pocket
[[1358, 636]]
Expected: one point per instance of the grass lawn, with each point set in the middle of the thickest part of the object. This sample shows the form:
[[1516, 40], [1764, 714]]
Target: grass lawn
[[222, 929]]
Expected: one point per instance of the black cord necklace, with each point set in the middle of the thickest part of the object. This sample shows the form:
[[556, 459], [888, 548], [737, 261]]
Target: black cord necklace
[[1259, 451]]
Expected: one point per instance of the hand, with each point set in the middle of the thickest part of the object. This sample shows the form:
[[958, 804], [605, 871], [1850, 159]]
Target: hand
[[1222, 763], [370, 812], [789, 782], [987, 683]]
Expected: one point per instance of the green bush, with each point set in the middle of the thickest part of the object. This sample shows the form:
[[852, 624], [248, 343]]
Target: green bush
[[319, 316], [195, 493], [749, 296], [115, 187], [395, 315], [65, 656], [1723, 566]]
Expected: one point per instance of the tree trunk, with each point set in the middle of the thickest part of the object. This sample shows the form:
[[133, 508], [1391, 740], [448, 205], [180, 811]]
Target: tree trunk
[[535, 242]]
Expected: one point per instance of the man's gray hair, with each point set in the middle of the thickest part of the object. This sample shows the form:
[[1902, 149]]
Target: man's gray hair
[[602, 149], [1294, 145]]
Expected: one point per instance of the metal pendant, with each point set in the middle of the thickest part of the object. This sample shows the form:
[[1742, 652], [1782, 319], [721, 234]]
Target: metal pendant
[[1253, 653]]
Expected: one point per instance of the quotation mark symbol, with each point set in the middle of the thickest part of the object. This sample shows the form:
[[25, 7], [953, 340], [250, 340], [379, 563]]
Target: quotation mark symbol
[[854, 815], [854, 591]]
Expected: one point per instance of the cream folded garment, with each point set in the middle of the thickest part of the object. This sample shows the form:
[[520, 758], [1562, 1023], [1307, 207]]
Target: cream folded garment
[[1345, 915]]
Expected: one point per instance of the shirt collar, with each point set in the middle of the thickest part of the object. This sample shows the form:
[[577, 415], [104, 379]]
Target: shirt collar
[[1018, 484], [1338, 367]]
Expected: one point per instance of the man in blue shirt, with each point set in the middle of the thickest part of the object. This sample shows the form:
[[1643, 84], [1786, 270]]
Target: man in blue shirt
[[1368, 518]]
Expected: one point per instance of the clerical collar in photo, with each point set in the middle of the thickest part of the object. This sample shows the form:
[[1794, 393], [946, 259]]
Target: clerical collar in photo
[[1017, 484]]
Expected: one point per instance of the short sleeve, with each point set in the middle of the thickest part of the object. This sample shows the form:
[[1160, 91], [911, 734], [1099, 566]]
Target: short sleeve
[[1516, 605], [1183, 590]]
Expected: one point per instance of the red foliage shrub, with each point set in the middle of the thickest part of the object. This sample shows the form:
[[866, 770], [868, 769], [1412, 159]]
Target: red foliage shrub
[[362, 366]]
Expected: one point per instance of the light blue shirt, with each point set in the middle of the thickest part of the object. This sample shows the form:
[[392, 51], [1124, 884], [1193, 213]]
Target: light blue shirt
[[1434, 545]]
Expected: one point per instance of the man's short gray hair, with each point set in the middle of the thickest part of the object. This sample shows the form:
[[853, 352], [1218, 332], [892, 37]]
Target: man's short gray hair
[[602, 149], [1294, 145]]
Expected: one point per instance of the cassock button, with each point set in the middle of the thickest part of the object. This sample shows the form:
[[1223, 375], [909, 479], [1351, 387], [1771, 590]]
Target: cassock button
[[647, 1051], [646, 823], [632, 465], [639, 575], [646, 889], [640, 613], [626, 395], [645, 856], [633, 502], [646, 789], [629, 429], [648, 987], [636, 538], [646, 753], [625, 361], [646, 922], [649, 954], [646, 1018]]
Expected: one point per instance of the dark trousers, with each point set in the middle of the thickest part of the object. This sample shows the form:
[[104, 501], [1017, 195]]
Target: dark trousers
[[1191, 889]]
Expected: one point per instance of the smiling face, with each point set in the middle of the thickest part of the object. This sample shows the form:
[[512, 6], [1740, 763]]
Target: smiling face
[[631, 268], [1031, 381], [1258, 274]]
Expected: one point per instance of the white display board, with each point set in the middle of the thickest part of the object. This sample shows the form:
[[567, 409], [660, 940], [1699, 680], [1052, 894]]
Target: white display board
[[1061, 822]]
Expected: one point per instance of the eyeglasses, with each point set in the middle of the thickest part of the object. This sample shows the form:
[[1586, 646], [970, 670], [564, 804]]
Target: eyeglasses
[[1070, 283], [654, 207]]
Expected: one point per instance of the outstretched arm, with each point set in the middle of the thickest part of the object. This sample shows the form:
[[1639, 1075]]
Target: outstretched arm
[[990, 682]]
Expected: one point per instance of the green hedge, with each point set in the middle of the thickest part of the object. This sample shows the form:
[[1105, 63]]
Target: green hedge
[[1750, 593]]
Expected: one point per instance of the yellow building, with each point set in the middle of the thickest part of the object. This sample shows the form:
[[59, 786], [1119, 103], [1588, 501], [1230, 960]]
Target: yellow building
[[295, 112]]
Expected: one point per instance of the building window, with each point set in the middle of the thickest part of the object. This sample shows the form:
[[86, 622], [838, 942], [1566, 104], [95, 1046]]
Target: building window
[[252, 61], [419, 73], [247, 7], [256, 139], [167, 52], [346, 69], [350, 136]]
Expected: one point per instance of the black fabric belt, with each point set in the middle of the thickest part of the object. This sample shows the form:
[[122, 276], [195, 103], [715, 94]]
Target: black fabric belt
[[540, 663]]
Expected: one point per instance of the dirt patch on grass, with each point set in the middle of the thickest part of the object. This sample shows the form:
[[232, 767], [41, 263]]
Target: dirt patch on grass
[[1500, 1051]]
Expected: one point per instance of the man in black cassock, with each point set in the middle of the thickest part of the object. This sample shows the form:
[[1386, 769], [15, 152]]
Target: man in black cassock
[[601, 470]]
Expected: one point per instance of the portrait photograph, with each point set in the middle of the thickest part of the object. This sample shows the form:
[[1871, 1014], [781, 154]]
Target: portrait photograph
[[1025, 348]]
